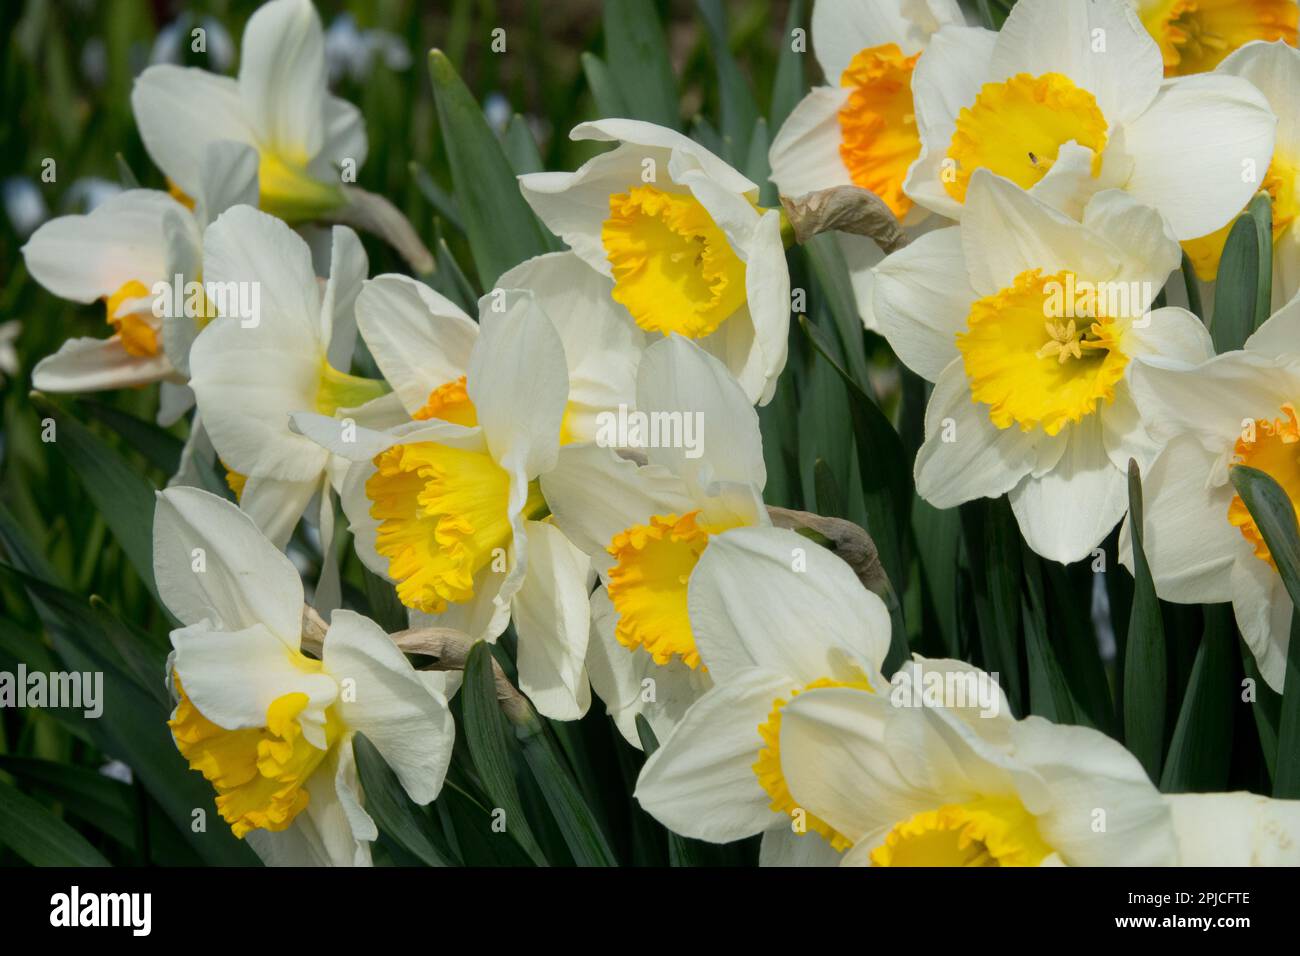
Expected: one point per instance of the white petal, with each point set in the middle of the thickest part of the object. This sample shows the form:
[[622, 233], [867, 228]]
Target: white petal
[[1149, 250], [1279, 335], [1067, 512], [275, 504], [767, 290], [1173, 334], [841, 28], [345, 139], [410, 727], [348, 268], [552, 618], [1194, 149], [922, 299], [181, 111], [643, 134], [805, 155], [1235, 829], [211, 563], [282, 78], [95, 365], [783, 847], [700, 782], [227, 177], [981, 460], [1263, 611], [769, 598]]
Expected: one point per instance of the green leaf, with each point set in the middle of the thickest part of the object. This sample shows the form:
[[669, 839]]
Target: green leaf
[[832, 273], [160, 448], [639, 65], [1201, 750], [1193, 286], [739, 111], [1145, 663], [486, 731], [123, 496], [390, 806], [1243, 287], [582, 834], [609, 101], [1274, 515], [993, 553], [789, 86], [1049, 691], [443, 203], [521, 148], [38, 836], [501, 228]]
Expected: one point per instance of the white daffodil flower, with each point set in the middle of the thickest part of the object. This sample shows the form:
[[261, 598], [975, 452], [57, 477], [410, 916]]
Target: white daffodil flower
[[1235, 829], [1026, 321], [138, 251], [304, 137], [270, 727], [1201, 543], [860, 130], [1274, 69], [925, 776], [644, 526], [452, 512], [681, 235], [280, 345], [1069, 99], [773, 615], [1195, 35], [422, 342]]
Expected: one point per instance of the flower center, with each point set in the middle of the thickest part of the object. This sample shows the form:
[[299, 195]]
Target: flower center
[[878, 136], [136, 332], [1042, 352], [647, 584], [1195, 35], [767, 768], [258, 772], [1016, 129], [444, 516], [987, 832], [1280, 184], [1273, 448], [341, 390], [673, 267]]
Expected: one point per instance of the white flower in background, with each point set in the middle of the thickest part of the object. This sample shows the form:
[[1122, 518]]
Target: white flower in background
[[422, 342], [120, 252], [773, 616], [1068, 99], [279, 106], [270, 727], [1274, 69], [860, 129], [1201, 543], [1026, 321], [919, 777], [679, 232], [176, 38], [352, 52], [1195, 35], [452, 511], [645, 525], [250, 372]]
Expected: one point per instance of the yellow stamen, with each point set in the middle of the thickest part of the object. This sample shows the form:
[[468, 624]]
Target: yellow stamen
[[879, 138], [1016, 129], [1196, 35]]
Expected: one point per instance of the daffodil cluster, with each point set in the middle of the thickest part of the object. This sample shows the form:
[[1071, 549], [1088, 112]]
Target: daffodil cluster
[[575, 469]]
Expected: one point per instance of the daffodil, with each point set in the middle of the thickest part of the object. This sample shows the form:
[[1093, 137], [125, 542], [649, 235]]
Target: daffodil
[[1027, 322], [270, 727], [131, 251], [682, 237], [914, 779], [1235, 829], [1202, 545], [1195, 35], [773, 616], [1068, 99], [860, 129], [304, 137], [448, 505], [646, 525], [251, 368], [1274, 69]]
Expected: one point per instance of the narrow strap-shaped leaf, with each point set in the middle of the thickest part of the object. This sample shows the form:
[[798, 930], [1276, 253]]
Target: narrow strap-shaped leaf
[[1145, 666], [637, 54], [609, 101], [486, 732], [789, 86], [1201, 750], [1049, 692], [993, 553], [1236, 288], [739, 111], [160, 448], [38, 836], [390, 806]]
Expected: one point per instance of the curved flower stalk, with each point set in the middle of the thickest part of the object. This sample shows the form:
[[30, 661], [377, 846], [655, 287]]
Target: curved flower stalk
[[860, 129], [422, 342], [268, 726], [773, 616], [682, 237], [130, 252], [280, 345], [1196, 35], [1274, 69], [1027, 322], [278, 106], [449, 507], [1201, 543], [1068, 100], [645, 525]]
